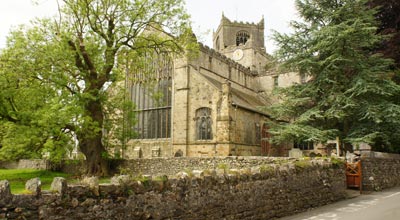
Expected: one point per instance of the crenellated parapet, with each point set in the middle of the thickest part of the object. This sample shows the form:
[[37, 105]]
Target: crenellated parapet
[[221, 57], [226, 21]]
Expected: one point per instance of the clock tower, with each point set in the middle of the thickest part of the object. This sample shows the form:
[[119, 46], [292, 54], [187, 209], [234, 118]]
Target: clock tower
[[242, 42]]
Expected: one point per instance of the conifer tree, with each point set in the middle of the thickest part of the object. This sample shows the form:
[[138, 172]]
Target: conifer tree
[[389, 23], [349, 93]]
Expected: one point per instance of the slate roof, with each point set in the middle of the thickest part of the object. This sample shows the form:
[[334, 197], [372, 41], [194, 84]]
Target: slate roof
[[240, 98]]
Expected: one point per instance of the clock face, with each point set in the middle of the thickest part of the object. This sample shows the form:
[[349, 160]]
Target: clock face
[[237, 54]]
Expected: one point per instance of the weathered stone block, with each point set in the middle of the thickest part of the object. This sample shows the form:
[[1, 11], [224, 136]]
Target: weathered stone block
[[121, 180], [235, 195], [198, 173], [34, 185], [296, 153], [93, 183], [59, 185], [182, 175], [90, 181], [5, 191]]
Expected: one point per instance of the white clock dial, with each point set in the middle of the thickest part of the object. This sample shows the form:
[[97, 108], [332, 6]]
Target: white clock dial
[[237, 54]]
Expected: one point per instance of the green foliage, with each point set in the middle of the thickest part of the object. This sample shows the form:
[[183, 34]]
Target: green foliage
[[337, 162], [208, 172], [162, 178], [126, 171], [302, 163], [350, 93], [189, 172], [62, 79], [389, 18], [145, 180], [267, 169], [223, 166]]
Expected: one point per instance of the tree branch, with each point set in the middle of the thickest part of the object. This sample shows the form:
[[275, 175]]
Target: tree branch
[[78, 61]]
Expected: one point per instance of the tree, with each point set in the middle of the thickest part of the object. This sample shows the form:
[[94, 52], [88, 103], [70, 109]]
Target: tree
[[29, 110], [79, 54], [350, 93], [389, 17]]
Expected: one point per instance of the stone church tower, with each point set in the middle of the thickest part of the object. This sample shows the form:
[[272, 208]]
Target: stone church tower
[[242, 42]]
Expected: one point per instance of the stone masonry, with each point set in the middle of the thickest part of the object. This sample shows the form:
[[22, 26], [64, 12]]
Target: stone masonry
[[233, 82], [380, 171], [261, 192]]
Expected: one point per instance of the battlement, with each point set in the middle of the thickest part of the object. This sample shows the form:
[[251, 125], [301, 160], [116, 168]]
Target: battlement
[[233, 64], [226, 21]]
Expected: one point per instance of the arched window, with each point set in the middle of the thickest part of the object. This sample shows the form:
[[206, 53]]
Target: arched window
[[203, 124], [151, 91], [242, 37]]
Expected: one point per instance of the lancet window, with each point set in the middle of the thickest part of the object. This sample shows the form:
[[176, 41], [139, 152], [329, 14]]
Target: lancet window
[[204, 124]]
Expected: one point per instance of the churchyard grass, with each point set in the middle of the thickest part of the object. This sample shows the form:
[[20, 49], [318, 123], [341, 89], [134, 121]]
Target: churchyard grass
[[18, 177]]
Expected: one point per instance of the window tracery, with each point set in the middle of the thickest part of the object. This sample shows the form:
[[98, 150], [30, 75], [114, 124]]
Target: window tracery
[[151, 92], [242, 37], [203, 124]]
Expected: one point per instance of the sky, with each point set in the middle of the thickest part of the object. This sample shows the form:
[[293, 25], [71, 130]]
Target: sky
[[206, 15]]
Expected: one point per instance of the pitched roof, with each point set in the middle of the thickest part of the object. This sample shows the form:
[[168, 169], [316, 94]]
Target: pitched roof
[[249, 100]]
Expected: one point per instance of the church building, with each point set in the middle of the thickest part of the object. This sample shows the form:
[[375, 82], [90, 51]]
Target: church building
[[210, 105]]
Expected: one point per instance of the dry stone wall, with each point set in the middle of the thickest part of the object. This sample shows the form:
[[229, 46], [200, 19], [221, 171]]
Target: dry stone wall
[[380, 171], [171, 166], [24, 164], [257, 192]]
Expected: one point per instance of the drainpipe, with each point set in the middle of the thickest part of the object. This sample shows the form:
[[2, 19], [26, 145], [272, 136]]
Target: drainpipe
[[235, 129], [187, 107]]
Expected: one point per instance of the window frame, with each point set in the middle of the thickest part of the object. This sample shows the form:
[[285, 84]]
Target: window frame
[[242, 37], [151, 92], [304, 145], [204, 131]]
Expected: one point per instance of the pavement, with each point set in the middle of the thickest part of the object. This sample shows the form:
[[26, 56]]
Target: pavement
[[384, 205], [352, 193]]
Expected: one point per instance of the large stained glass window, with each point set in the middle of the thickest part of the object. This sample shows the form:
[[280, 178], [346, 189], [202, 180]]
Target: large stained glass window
[[150, 90]]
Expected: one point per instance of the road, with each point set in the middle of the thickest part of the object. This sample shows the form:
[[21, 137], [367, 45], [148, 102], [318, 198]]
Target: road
[[375, 206]]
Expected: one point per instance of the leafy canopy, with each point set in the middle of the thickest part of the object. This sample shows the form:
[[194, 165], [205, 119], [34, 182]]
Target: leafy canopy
[[74, 65]]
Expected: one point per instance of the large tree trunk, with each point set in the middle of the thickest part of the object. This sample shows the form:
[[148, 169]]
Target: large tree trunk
[[90, 141], [96, 160]]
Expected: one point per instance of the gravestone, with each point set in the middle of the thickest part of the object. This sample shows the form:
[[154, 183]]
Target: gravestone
[[296, 153], [34, 185]]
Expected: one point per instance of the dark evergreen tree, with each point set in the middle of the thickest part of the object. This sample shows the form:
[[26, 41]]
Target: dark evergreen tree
[[350, 93], [389, 23]]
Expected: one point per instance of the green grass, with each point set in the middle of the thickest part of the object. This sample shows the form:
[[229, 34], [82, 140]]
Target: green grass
[[18, 178]]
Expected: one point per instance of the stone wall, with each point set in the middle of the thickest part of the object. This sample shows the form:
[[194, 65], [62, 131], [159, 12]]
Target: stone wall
[[25, 164], [262, 192], [380, 171], [171, 166]]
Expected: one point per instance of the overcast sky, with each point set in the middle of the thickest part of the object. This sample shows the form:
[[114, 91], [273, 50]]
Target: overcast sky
[[206, 15]]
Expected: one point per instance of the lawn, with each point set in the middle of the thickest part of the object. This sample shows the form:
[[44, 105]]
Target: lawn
[[18, 178]]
